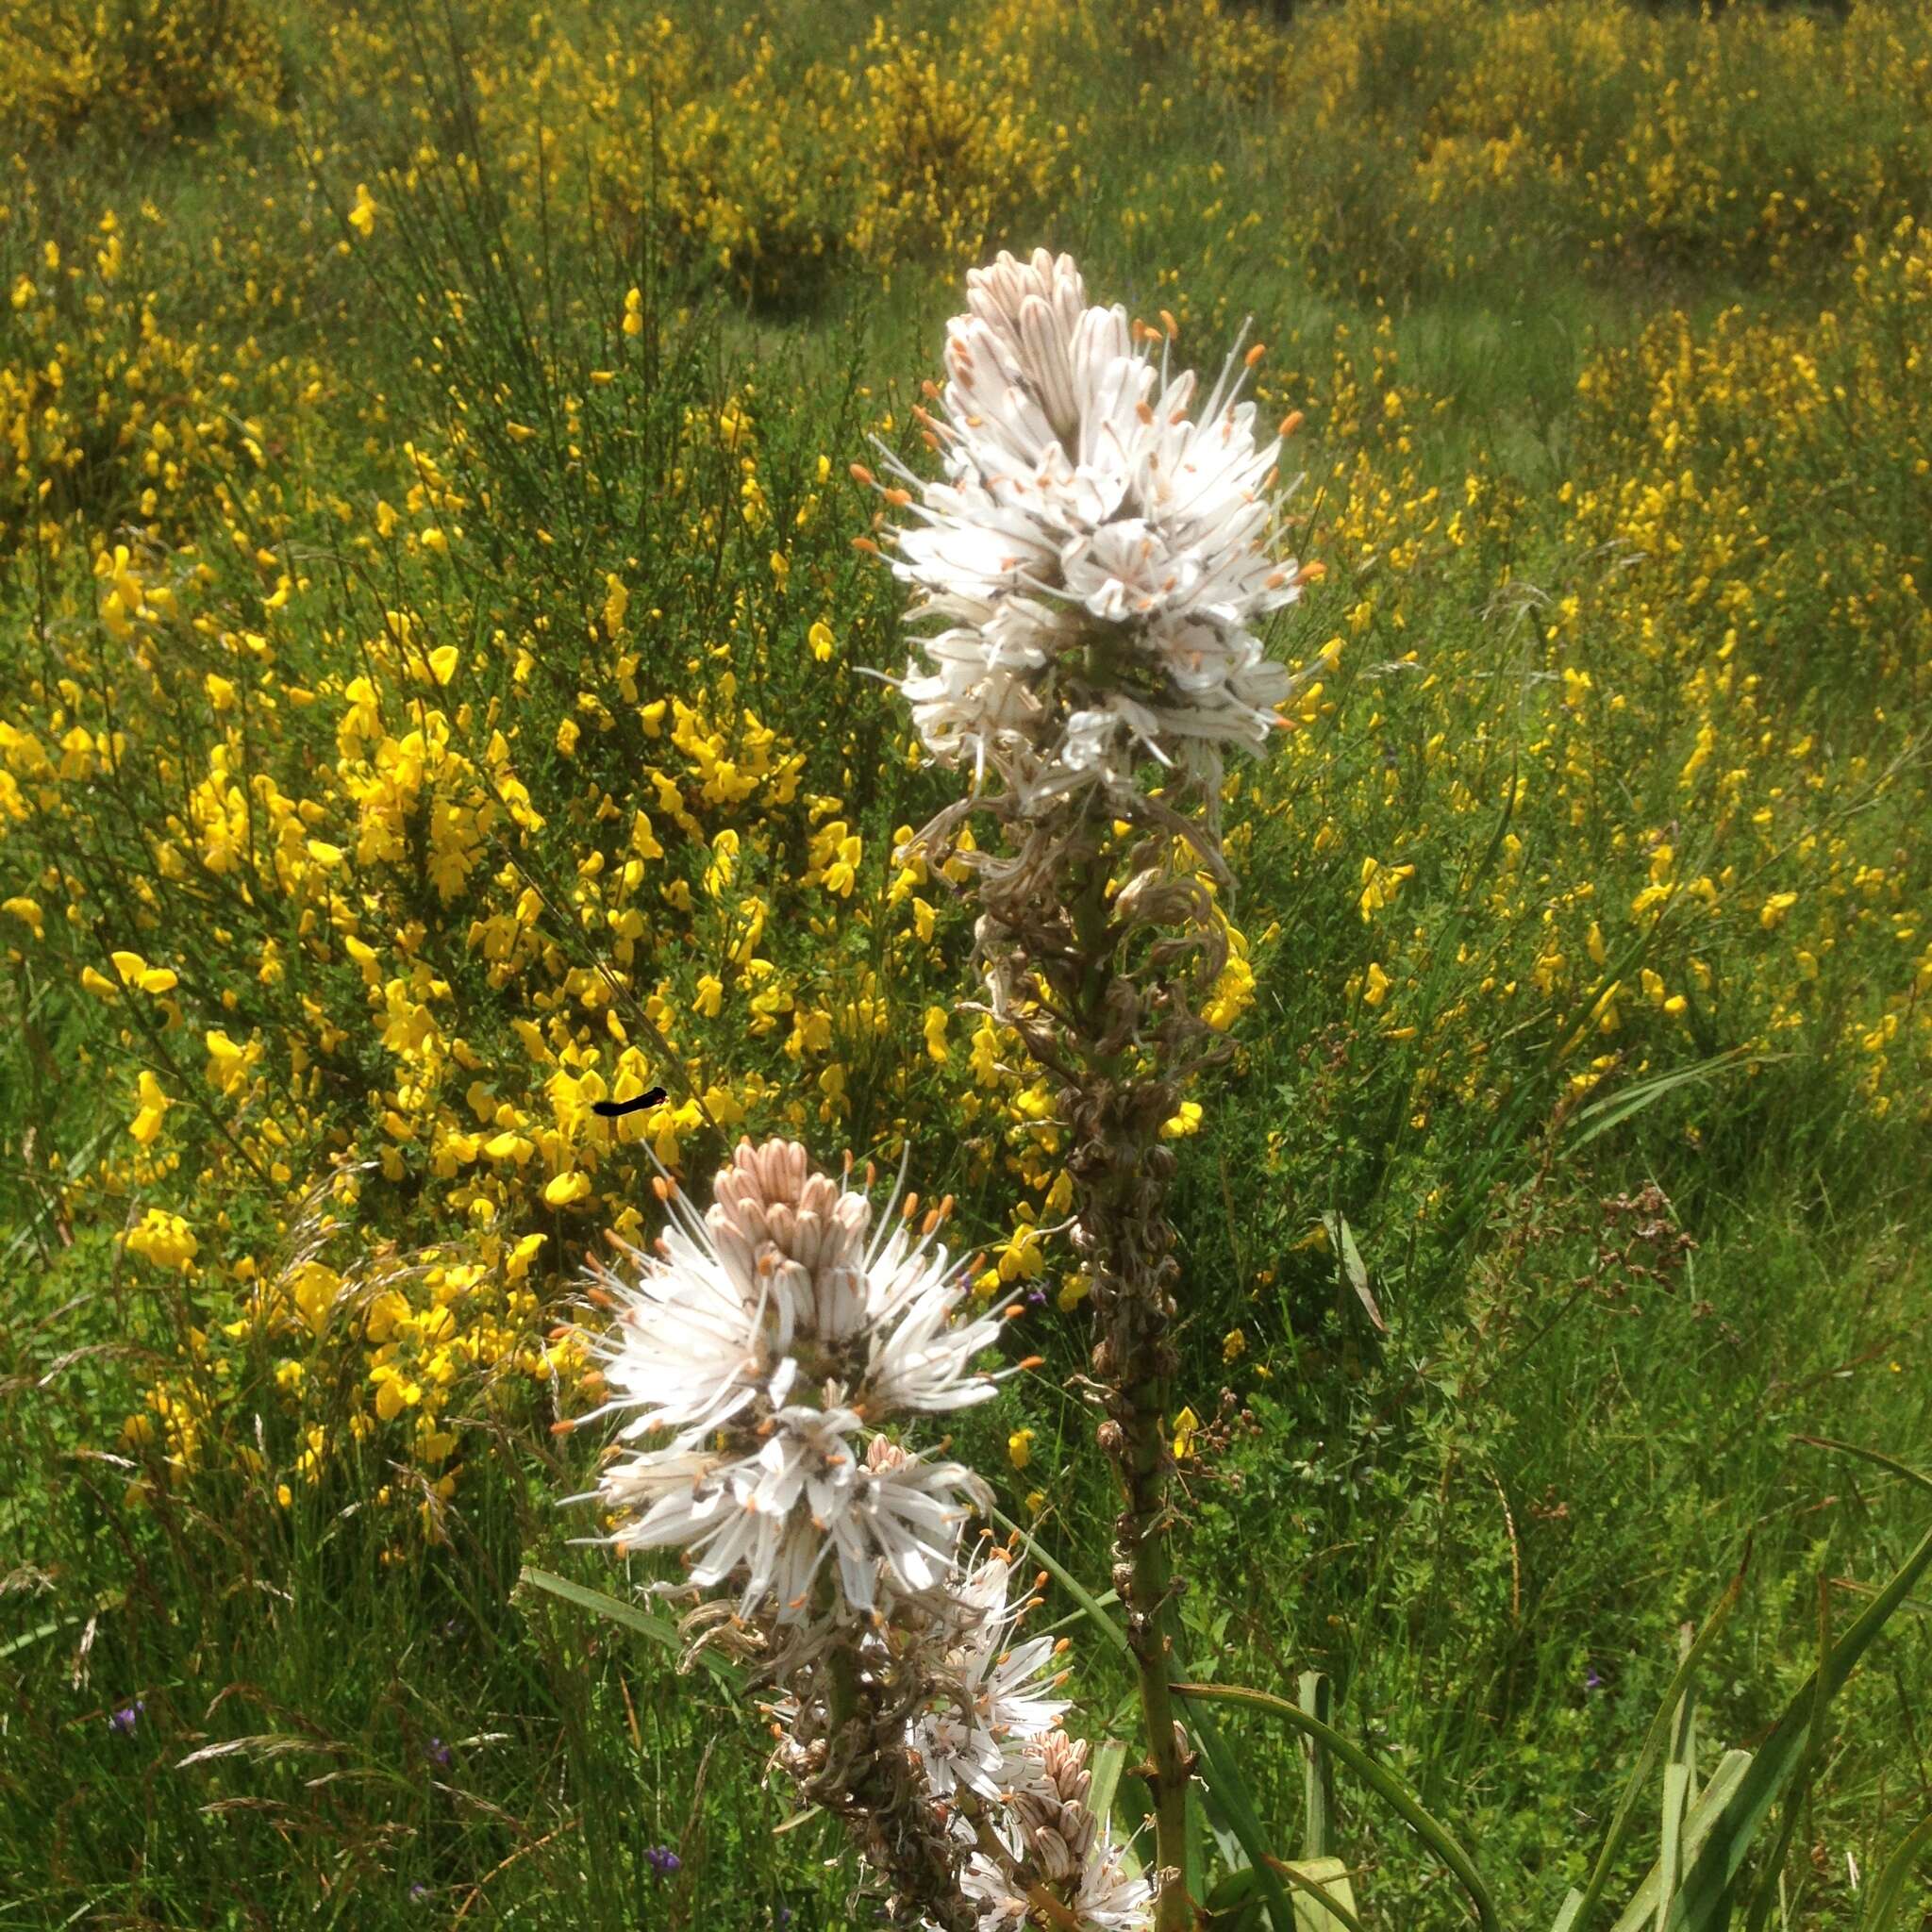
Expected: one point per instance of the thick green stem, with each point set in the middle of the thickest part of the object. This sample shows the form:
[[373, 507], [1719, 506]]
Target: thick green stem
[[1111, 978], [1145, 1472]]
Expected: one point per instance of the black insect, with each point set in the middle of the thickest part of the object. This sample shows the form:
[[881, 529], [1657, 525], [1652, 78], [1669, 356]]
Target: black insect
[[611, 1108]]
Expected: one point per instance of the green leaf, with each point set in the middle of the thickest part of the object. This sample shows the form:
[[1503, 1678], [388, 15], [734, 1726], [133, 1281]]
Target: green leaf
[[1566, 1919], [1676, 1787], [1341, 1240], [1106, 1766], [1702, 1903], [1877, 1455], [646, 1623], [1641, 1911], [1600, 1116], [1318, 1774], [1230, 1789], [1661, 1728], [28, 1638], [1770, 1880], [1194, 1846], [1383, 1782], [1071, 1584], [1324, 1899], [1104, 1770], [1882, 1907]]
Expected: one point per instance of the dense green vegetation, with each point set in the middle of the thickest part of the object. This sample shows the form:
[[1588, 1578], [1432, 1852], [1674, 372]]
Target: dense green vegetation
[[433, 698]]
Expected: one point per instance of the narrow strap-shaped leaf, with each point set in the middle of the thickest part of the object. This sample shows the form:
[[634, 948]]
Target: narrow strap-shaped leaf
[[1881, 1907], [1771, 1881], [1234, 1901], [1652, 1744], [1641, 1911], [26, 1638], [1684, 1732], [1104, 1769], [1070, 1583], [1708, 1883], [1566, 1919], [1600, 1116], [1193, 1843], [1676, 1791], [1877, 1455], [646, 1623], [1298, 1873], [1379, 1779], [1318, 1774], [1230, 1789]]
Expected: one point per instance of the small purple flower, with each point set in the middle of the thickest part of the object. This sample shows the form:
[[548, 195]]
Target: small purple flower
[[127, 1716], [1592, 1681], [663, 1860], [418, 1892], [439, 1753], [1036, 1296]]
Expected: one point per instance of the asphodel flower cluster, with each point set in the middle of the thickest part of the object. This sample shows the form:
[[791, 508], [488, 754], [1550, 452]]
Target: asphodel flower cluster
[[1098, 553], [756, 1356]]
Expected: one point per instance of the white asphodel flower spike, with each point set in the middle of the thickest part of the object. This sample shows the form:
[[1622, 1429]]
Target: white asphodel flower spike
[[1096, 555], [763, 1342], [768, 1521]]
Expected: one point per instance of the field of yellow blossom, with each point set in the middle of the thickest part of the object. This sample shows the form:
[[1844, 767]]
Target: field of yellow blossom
[[436, 633]]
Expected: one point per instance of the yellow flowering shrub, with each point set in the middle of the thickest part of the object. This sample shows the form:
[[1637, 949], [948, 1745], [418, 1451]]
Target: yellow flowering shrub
[[441, 702], [145, 67]]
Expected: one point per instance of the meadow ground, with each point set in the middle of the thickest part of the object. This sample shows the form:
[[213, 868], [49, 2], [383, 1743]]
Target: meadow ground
[[431, 701]]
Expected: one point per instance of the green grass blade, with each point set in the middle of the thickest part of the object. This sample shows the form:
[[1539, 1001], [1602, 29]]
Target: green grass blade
[[1070, 1583], [39, 1632], [1237, 1802], [1600, 1116], [1641, 1911], [646, 1623], [1566, 1919], [1331, 1909], [1318, 1774], [1106, 1767], [1670, 1862], [1660, 1728], [1877, 1455], [1768, 1880], [1882, 1907], [1703, 1901], [1194, 1846], [1384, 1783]]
